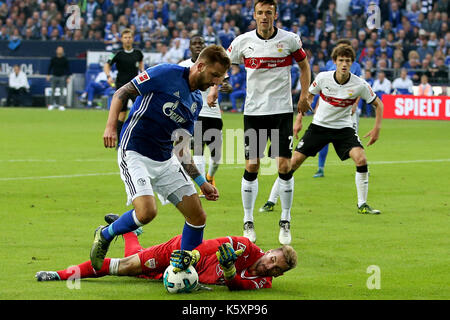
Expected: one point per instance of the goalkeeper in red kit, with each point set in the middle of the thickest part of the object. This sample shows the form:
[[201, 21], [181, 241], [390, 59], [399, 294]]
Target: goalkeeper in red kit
[[232, 261]]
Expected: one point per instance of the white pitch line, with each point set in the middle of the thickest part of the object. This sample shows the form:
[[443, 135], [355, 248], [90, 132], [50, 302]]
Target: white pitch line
[[61, 176], [225, 167], [340, 163]]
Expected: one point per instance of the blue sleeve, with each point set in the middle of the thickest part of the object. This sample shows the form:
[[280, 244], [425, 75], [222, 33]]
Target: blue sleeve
[[150, 79]]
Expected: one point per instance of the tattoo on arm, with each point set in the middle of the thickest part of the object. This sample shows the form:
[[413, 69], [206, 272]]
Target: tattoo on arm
[[126, 92], [191, 169]]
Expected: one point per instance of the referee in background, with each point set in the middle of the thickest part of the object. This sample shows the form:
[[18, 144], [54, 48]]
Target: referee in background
[[129, 62]]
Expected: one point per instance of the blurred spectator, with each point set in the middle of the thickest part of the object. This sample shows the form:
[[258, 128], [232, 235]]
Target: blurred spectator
[[381, 85], [430, 24], [148, 47], [18, 87], [384, 48], [226, 35], [112, 39], [210, 36], [59, 73], [54, 25], [438, 72], [116, 9], [175, 53], [247, 14], [403, 84], [366, 109], [411, 64], [238, 83], [234, 15], [424, 88], [102, 85]]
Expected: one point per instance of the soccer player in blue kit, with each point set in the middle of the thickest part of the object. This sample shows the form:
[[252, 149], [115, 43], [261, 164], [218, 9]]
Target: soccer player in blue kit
[[167, 104]]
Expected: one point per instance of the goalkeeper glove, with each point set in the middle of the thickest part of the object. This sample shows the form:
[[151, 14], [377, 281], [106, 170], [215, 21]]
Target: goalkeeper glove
[[182, 259], [227, 257]]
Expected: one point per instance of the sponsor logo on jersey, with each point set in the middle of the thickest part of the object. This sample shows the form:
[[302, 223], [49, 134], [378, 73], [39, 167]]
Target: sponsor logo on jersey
[[142, 77], [169, 110], [268, 63], [176, 94], [241, 246], [337, 102], [230, 48], [280, 46], [194, 107], [151, 263]]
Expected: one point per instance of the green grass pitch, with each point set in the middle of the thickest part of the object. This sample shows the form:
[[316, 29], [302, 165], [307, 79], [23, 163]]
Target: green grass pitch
[[57, 181]]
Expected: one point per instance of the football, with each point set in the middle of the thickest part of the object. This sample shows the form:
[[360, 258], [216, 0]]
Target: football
[[180, 282]]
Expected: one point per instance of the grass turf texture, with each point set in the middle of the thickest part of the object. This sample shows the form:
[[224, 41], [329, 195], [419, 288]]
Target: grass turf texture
[[53, 198]]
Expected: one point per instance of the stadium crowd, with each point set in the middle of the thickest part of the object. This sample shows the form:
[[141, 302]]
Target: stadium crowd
[[410, 34]]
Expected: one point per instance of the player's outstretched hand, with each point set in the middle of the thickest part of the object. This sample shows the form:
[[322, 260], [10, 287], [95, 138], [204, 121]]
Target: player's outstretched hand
[[374, 135], [227, 256], [297, 128], [303, 106], [211, 193], [182, 259], [110, 137]]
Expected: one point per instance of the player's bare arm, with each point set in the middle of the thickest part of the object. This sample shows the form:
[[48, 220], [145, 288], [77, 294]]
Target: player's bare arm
[[305, 80], [375, 132], [107, 70], [182, 151], [127, 91], [355, 105], [212, 96]]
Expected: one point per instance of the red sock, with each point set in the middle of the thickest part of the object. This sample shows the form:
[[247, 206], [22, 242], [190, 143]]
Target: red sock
[[85, 270], [132, 245]]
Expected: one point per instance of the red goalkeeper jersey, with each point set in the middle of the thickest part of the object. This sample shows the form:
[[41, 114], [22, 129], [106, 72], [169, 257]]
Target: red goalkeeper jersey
[[156, 259]]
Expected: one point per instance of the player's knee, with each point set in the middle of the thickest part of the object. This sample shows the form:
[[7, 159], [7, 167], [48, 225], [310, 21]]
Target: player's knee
[[146, 214], [199, 219], [284, 167], [360, 159]]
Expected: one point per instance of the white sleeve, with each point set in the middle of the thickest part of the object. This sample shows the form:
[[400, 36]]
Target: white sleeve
[[234, 53], [315, 88], [367, 93]]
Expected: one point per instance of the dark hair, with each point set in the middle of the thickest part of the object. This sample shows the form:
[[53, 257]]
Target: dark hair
[[343, 41], [343, 51], [215, 54], [269, 2]]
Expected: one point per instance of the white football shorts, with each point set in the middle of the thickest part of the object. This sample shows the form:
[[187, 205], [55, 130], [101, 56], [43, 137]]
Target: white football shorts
[[143, 176]]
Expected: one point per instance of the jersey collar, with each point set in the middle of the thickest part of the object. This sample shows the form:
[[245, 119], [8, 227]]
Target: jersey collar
[[341, 84], [129, 51], [271, 37]]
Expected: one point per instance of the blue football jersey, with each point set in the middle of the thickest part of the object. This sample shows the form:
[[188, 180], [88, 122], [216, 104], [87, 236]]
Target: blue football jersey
[[165, 104]]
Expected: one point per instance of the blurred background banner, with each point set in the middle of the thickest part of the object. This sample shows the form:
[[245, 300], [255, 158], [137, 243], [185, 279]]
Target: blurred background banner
[[416, 107]]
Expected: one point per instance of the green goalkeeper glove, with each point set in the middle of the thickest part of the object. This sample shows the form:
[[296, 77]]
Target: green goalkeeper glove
[[227, 257], [182, 259]]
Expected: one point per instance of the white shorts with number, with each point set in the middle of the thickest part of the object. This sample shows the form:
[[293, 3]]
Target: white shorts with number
[[143, 176]]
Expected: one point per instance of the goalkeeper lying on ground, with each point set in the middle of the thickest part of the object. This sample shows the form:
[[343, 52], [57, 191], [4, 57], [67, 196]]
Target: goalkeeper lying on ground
[[232, 261]]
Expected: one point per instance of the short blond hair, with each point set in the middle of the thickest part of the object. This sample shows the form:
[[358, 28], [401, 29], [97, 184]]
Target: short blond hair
[[290, 256], [125, 31], [215, 54]]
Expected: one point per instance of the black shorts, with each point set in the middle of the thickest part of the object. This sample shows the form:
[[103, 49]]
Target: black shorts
[[316, 137], [259, 129], [207, 131]]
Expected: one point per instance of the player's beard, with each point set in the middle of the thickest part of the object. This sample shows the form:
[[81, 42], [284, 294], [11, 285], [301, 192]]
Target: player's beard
[[202, 83]]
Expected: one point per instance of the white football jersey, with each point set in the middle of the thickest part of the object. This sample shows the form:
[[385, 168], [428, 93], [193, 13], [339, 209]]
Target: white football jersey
[[336, 100], [268, 65], [206, 111]]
